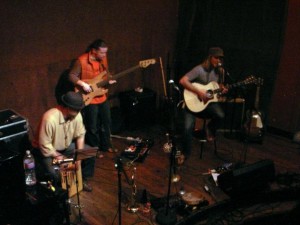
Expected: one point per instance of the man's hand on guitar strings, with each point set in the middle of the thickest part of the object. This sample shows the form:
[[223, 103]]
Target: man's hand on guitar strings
[[203, 96], [86, 87]]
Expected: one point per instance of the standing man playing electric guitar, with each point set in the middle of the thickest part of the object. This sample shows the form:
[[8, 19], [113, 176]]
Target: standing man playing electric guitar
[[209, 70], [96, 115]]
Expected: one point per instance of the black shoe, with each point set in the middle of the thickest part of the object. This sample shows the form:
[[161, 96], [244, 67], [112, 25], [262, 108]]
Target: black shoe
[[86, 187]]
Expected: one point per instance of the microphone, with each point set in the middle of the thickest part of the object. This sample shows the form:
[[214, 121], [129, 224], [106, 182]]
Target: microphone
[[174, 85], [225, 72], [118, 163]]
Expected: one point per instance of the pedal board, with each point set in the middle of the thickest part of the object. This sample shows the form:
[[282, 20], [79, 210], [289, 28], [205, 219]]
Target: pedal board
[[138, 150]]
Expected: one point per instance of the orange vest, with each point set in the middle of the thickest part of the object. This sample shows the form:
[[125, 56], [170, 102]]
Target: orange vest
[[90, 69]]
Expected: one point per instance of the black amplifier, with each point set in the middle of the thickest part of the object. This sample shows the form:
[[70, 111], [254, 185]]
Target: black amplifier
[[12, 124], [138, 108]]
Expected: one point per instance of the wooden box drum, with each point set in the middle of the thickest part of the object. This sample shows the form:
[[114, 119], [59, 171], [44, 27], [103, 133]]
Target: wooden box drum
[[68, 176]]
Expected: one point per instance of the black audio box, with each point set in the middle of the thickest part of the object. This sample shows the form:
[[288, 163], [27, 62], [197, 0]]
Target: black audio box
[[138, 108], [12, 124]]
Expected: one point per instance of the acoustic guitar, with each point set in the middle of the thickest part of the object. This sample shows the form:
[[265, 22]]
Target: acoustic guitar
[[213, 91], [98, 83]]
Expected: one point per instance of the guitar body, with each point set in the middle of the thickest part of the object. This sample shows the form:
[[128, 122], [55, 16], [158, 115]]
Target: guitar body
[[97, 83], [96, 90], [254, 127], [194, 103]]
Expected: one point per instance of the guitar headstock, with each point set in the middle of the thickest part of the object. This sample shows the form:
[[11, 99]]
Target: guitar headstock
[[259, 81], [250, 80], [147, 62]]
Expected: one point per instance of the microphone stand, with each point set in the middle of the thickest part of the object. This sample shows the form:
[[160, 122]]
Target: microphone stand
[[77, 188], [224, 73], [119, 167], [166, 216]]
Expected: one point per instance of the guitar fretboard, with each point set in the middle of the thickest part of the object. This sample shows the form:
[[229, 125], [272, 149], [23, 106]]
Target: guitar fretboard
[[117, 76]]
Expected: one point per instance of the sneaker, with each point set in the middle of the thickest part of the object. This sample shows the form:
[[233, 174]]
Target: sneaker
[[86, 187]]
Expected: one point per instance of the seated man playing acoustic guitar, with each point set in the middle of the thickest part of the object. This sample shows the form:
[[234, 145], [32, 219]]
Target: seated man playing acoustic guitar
[[209, 70]]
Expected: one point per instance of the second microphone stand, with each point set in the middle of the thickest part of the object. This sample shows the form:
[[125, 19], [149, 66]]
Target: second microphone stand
[[167, 216], [119, 166]]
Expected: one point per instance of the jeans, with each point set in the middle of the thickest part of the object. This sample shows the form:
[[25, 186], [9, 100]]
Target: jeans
[[213, 111], [97, 120]]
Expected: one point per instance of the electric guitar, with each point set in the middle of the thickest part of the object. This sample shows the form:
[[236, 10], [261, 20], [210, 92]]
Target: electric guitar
[[254, 127], [213, 90], [99, 82]]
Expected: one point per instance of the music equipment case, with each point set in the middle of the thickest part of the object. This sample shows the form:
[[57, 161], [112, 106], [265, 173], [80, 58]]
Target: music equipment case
[[12, 124]]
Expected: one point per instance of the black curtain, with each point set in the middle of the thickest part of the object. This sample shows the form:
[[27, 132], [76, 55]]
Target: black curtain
[[249, 31]]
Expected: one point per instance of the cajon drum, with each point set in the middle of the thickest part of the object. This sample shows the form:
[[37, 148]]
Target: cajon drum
[[68, 176]]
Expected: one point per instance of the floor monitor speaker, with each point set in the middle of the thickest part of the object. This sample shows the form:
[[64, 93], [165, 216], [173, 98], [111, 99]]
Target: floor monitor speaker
[[247, 179]]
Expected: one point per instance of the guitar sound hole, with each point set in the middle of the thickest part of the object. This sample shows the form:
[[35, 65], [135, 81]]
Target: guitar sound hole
[[209, 94]]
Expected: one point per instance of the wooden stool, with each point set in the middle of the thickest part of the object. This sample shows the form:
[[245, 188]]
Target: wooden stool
[[200, 134]]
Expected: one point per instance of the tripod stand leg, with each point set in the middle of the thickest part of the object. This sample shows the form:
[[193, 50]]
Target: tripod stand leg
[[166, 216]]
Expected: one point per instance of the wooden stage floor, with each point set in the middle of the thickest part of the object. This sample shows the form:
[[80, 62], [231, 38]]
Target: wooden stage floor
[[151, 179]]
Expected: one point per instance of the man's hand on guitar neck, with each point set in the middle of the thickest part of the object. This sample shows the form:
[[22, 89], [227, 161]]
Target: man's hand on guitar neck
[[223, 88]]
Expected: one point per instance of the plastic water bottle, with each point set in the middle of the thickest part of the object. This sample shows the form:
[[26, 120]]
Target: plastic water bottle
[[29, 168]]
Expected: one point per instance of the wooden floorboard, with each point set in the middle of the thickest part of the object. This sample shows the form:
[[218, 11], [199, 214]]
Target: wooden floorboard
[[100, 207]]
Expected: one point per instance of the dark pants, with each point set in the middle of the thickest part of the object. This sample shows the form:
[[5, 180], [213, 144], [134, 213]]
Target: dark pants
[[213, 111], [97, 121], [46, 170]]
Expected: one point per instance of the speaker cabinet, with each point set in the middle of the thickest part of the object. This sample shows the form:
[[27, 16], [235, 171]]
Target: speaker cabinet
[[138, 108], [12, 179], [12, 187], [248, 179]]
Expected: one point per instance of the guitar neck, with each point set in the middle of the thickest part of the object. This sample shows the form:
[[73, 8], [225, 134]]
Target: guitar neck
[[117, 76], [218, 90], [238, 84], [256, 104], [257, 95]]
